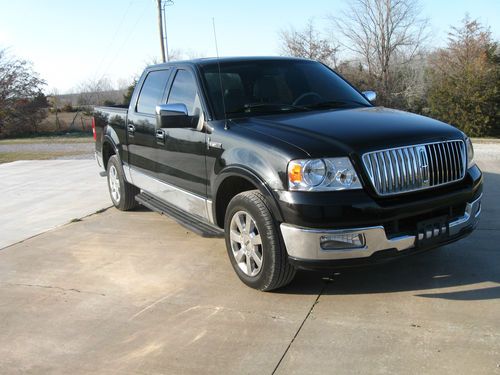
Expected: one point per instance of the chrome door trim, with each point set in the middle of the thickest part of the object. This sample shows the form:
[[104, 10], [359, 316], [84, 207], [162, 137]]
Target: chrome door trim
[[187, 201]]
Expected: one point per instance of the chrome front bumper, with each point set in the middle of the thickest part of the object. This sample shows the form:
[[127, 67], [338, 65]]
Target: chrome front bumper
[[305, 243]]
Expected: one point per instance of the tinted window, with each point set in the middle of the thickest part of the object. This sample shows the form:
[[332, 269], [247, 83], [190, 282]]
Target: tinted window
[[261, 87], [184, 91], [152, 91]]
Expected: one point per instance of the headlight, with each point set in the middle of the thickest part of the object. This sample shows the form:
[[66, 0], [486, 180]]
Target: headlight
[[470, 153], [322, 175]]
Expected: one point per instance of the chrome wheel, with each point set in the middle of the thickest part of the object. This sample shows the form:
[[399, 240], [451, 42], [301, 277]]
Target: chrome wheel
[[246, 243], [114, 184]]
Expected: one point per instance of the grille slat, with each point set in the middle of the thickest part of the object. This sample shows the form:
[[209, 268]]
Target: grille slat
[[456, 166], [445, 162], [407, 167], [397, 181], [413, 168], [390, 168], [441, 164], [376, 172], [451, 161], [416, 167], [435, 165]]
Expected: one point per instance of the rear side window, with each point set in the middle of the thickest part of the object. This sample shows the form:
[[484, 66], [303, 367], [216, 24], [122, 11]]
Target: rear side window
[[152, 91]]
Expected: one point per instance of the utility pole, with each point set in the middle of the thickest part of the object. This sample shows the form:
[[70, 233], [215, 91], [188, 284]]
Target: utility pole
[[160, 28]]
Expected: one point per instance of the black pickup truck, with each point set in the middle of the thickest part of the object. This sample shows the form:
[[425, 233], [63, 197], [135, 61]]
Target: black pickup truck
[[288, 161]]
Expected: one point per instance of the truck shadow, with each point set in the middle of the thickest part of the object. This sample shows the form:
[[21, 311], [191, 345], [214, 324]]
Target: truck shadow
[[463, 265]]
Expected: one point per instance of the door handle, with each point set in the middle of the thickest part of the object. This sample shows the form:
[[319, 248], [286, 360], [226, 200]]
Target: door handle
[[160, 136], [131, 129]]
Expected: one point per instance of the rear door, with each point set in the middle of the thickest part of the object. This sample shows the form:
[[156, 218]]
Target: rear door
[[141, 125]]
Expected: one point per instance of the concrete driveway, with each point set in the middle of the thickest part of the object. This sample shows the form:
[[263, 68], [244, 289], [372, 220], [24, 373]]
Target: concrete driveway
[[38, 195], [135, 293]]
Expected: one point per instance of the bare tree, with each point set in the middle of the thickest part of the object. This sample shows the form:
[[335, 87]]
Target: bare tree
[[382, 33], [22, 104], [95, 92], [308, 43]]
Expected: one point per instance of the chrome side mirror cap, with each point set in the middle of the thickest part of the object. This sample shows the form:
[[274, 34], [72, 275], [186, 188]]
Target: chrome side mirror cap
[[173, 115], [370, 95], [174, 109]]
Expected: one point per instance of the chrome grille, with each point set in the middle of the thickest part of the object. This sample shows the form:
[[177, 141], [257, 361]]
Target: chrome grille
[[410, 168]]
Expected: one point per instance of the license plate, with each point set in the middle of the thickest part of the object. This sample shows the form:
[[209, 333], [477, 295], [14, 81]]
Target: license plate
[[433, 230]]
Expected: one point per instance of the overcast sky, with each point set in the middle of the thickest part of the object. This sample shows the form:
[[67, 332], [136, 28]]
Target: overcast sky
[[69, 41]]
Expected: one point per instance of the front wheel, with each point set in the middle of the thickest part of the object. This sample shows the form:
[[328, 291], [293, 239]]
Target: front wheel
[[254, 245], [121, 192]]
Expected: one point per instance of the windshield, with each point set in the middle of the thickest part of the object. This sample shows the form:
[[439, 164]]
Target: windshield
[[253, 88]]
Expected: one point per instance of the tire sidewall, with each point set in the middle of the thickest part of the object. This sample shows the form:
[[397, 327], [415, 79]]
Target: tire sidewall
[[113, 161], [239, 203]]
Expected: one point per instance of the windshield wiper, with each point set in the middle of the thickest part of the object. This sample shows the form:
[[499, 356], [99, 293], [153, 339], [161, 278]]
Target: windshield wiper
[[247, 108], [335, 104]]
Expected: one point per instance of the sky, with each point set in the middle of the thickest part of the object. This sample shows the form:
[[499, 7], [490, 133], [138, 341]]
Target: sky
[[70, 41]]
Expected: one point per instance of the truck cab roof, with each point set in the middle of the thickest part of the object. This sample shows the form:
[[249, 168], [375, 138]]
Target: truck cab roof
[[234, 59]]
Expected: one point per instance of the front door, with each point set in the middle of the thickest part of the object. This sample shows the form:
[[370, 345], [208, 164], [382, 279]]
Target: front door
[[181, 153]]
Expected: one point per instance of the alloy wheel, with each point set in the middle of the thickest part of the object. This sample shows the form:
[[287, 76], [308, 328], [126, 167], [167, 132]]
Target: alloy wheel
[[246, 243]]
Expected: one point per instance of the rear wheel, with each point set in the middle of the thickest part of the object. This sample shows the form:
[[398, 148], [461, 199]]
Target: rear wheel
[[254, 245], [121, 192]]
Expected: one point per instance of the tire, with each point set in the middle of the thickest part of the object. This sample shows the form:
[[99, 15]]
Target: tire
[[121, 192], [251, 235]]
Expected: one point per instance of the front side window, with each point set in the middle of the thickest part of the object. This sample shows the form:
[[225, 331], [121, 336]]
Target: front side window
[[184, 91], [152, 91]]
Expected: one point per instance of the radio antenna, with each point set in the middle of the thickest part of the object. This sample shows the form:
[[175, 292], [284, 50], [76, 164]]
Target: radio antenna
[[220, 76]]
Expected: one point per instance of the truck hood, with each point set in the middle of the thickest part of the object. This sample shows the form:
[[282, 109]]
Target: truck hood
[[342, 132]]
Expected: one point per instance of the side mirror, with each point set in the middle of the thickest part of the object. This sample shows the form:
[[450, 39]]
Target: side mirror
[[173, 115], [370, 95]]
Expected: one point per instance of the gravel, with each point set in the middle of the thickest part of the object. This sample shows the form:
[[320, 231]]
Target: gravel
[[74, 150]]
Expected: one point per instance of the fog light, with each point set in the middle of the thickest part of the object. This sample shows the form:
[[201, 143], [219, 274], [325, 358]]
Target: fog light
[[342, 241]]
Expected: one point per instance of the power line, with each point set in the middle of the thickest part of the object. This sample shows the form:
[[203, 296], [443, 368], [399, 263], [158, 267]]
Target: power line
[[115, 34], [132, 29]]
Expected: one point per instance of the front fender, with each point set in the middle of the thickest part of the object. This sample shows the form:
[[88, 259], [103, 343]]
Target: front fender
[[249, 175], [261, 162]]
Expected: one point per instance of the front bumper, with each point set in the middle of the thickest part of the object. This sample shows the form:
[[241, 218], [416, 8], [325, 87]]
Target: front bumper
[[305, 244]]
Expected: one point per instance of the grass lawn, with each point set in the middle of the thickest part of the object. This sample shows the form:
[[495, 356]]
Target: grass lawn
[[56, 139]]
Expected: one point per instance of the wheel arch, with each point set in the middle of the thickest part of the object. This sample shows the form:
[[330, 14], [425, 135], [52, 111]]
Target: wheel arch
[[108, 150], [110, 145], [234, 180]]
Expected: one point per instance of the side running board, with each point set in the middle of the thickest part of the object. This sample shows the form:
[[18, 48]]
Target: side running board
[[187, 220]]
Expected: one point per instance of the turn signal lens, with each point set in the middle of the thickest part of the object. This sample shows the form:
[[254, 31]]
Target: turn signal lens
[[295, 173]]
